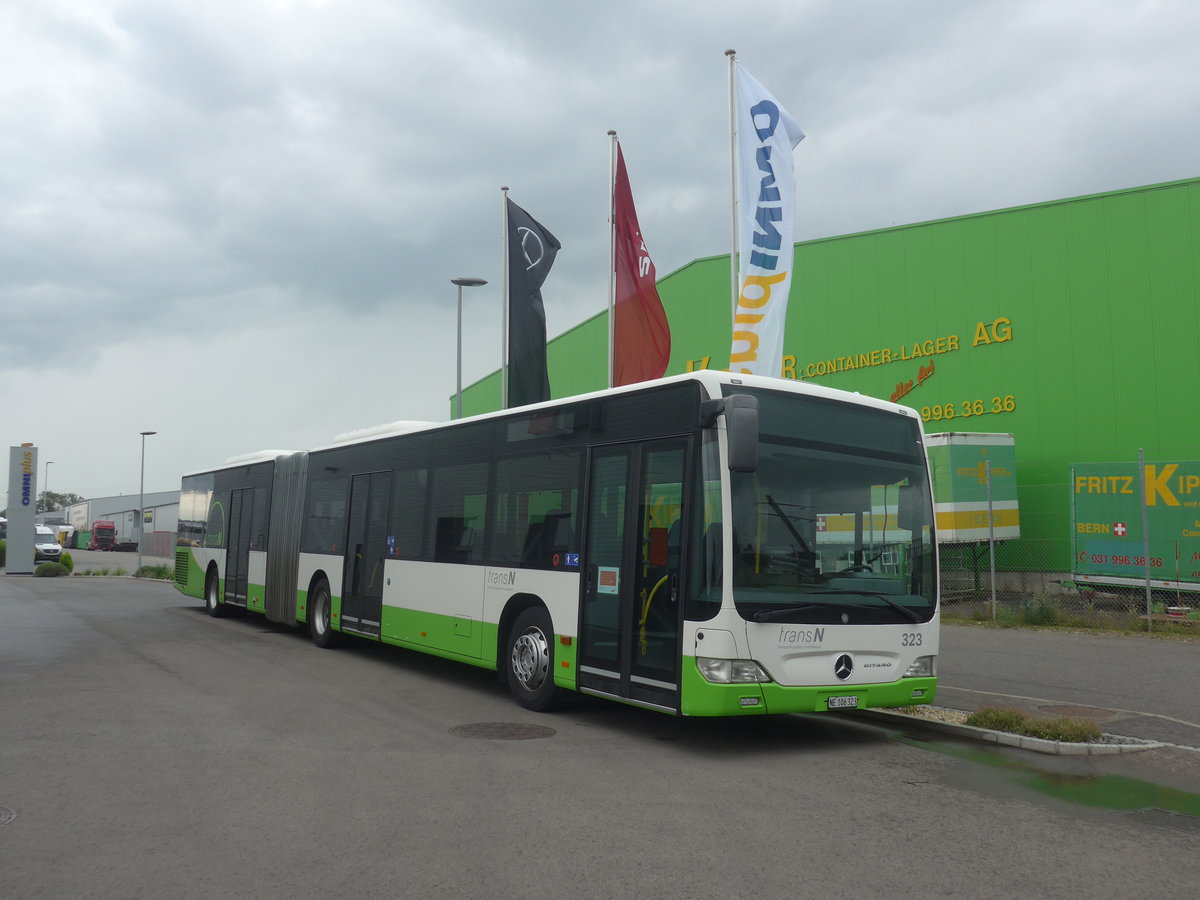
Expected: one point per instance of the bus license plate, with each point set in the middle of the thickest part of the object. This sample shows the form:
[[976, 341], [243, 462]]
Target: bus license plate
[[843, 703]]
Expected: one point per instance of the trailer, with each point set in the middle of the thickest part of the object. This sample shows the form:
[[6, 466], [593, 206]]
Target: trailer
[[1130, 528]]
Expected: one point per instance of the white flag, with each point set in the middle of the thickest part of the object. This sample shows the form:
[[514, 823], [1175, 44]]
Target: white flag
[[766, 191]]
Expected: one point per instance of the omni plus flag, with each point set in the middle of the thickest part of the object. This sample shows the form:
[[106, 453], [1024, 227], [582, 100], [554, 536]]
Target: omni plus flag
[[766, 192], [641, 336]]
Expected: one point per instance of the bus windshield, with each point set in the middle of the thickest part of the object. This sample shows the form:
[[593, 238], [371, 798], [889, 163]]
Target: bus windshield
[[833, 536]]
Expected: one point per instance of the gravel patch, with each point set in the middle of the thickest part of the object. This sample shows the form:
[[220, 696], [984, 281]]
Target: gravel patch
[[937, 713]]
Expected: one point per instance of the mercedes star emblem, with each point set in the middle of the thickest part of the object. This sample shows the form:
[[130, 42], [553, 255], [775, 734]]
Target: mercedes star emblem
[[843, 666]]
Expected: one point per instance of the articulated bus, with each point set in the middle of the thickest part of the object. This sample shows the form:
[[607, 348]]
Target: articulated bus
[[704, 545]]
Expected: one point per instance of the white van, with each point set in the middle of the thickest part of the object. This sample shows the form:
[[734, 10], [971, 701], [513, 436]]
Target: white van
[[46, 547]]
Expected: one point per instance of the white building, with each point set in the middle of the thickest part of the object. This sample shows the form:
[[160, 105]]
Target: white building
[[161, 518]]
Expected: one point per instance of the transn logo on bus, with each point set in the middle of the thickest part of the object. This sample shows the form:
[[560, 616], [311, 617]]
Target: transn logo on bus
[[501, 578], [801, 635]]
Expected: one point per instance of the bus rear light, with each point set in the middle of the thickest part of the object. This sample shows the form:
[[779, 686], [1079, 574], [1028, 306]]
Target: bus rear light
[[731, 671], [922, 667]]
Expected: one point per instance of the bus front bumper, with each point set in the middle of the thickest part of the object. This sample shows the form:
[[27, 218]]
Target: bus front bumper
[[704, 698]]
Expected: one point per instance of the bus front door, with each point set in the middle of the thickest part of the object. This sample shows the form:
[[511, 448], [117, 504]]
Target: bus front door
[[366, 544], [630, 617]]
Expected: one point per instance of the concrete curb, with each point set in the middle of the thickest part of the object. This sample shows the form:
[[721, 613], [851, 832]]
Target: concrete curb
[[1119, 745]]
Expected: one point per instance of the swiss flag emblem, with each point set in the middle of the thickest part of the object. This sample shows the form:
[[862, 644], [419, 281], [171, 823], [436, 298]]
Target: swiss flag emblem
[[1119, 529]]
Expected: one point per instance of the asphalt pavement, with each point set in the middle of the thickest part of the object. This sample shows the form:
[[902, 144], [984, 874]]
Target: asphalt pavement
[[148, 750], [1142, 686]]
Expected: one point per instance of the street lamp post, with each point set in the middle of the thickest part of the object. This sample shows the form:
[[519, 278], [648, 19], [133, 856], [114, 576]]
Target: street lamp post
[[142, 499], [462, 282], [46, 491]]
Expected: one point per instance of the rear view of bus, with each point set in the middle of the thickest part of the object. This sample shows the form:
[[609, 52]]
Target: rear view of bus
[[831, 601]]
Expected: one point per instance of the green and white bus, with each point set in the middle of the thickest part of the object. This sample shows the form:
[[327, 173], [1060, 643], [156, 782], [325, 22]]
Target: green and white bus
[[703, 545]]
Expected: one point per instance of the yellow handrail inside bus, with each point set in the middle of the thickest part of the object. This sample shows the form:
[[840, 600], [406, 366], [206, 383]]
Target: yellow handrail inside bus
[[646, 614]]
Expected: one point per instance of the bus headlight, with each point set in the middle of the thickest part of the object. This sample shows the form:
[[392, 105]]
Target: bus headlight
[[922, 667], [731, 671]]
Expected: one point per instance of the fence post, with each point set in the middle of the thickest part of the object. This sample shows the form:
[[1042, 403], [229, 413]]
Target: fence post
[[1074, 532], [987, 474], [1145, 537]]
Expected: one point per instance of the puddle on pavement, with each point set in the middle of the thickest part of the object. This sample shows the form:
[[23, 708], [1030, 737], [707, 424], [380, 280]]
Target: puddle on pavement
[[1116, 792]]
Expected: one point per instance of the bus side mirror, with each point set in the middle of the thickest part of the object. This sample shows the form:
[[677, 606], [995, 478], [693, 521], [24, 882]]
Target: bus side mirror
[[741, 429]]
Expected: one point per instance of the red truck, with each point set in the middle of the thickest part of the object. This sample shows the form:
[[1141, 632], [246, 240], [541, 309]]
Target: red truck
[[104, 535]]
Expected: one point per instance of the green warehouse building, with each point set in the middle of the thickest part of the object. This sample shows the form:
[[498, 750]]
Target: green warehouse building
[[1073, 325]]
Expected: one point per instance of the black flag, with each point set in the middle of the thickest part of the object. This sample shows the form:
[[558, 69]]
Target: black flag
[[531, 252]]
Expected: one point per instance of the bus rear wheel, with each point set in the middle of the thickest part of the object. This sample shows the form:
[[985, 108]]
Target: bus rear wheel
[[531, 661], [320, 616]]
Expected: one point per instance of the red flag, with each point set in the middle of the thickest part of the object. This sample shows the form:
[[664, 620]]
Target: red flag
[[641, 335]]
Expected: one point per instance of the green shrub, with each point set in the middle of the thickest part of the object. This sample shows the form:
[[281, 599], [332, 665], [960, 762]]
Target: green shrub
[[50, 570], [67, 563], [3, 552], [1010, 720], [1039, 611], [1013, 721], [165, 573], [1075, 731]]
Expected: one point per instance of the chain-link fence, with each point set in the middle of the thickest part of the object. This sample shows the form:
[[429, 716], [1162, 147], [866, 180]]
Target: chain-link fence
[[1079, 560]]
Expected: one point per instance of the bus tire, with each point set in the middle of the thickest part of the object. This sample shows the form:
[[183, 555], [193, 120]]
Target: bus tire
[[320, 614], [212, 596], [530, 659]]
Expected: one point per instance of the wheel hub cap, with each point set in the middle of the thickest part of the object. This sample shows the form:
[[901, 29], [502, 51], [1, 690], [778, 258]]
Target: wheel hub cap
[[531, 659]]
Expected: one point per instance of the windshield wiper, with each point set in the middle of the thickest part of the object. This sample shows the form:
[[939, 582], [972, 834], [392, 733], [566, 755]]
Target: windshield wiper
[[899, 607]]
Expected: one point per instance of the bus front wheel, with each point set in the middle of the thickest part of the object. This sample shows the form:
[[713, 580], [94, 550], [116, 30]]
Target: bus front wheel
[[320, 613], [212, 595], [531, 661]]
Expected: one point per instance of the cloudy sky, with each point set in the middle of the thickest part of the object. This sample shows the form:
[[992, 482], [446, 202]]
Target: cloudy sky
[[235, 222]]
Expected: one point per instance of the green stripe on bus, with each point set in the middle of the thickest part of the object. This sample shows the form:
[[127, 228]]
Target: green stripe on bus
[[703, 698]]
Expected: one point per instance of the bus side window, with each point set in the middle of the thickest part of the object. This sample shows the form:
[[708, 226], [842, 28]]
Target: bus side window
[[454, 540], [533, 522], [325, 515], [406, 516], [457, 506]]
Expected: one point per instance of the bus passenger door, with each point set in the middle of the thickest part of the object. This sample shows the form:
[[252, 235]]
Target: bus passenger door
[[366, 544], [630, 617], [237, 551]]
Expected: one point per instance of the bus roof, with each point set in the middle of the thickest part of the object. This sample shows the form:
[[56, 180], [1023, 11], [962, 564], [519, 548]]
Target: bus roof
[[711, 380]]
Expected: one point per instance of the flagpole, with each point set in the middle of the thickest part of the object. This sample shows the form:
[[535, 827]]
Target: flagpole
[[504, 324], [612, 249], [733, 202]]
